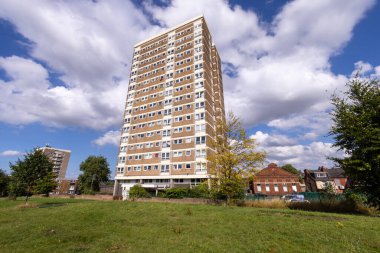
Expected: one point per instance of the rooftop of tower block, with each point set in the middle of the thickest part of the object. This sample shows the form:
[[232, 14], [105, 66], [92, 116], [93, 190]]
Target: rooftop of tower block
[[169, 30]]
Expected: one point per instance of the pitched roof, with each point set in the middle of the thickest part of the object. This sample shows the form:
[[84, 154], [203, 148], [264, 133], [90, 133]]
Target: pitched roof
[[336, 172], [274, 171]]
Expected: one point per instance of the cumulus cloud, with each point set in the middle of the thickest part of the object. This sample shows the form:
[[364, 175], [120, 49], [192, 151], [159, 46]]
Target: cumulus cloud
[[11, 153], [109, 138], [365, 69], [281, 68], [283, 150], [87, 45], [276, 73]]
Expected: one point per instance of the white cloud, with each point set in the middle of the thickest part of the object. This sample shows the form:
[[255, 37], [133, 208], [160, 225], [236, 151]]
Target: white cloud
[[282, 74], [110, 137], [88, 44], [11, 153], [307, 156], [362, 67], [282, 68], [272, 140]]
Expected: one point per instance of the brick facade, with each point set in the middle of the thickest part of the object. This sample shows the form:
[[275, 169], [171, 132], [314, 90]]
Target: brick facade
[[274, 180]]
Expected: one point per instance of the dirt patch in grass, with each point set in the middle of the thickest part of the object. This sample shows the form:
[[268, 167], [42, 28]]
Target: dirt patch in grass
[[47, 205]]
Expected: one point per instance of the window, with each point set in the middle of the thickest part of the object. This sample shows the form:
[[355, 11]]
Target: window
[[165, 156], [188, 140], [267, 188], [165, 168], [199, 116], [122, 159], [166, 133], [199, 105], [177, 153], [177, 166], [200, 167], [201, 140], [188, 117], [200, 153], [166, 144], [178, 141], [178, 130], [199, 94], [258, 186], [285, 187], [188, 128], [147, 167], [188, 166], [147, 156], [188, 152], [294, 187], [200, 128], [276, 187], [178, 119]]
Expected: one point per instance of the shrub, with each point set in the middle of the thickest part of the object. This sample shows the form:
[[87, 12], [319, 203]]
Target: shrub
[[176, 193], [199, 191], [137, 191]]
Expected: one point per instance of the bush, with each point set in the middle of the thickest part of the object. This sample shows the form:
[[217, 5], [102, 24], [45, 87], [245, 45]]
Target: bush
[[137, 191], [200, 191], [176, 193]]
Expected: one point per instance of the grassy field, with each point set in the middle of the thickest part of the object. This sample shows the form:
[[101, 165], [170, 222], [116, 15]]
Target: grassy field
[[66, 225]]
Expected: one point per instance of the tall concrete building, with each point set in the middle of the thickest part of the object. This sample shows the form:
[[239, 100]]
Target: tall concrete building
[[60, 159], [174, 101]]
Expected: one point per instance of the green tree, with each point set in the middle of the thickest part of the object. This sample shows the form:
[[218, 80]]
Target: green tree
[[47, 184], [290, 168], [356, 130], [95, 170], [28, 173], [4, 183], [235, 159]]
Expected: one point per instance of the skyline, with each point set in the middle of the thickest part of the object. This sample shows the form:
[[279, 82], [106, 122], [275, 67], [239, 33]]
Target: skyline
[[74, 59]]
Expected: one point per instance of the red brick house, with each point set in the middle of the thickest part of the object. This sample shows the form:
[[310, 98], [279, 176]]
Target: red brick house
[[274, 180]]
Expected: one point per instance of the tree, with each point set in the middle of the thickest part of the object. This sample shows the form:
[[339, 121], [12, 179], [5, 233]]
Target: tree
[[235, 159], [356, 131], [30, 172], [4, 182], [290, 168], [47, 184], [95, 170]]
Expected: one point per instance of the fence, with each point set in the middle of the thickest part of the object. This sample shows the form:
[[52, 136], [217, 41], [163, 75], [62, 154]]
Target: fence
[[310, 196]]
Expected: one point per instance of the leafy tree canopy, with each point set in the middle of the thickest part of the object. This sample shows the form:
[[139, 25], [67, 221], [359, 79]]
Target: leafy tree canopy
[[4, 182], [290, 168], [95, 170], [29, 172], [356, 130], [235, 159]]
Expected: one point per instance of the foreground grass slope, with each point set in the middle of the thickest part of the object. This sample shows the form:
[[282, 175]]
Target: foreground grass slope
[[63, 225]]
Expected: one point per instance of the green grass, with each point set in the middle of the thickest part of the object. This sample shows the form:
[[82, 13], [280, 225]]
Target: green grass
[[69, 225]]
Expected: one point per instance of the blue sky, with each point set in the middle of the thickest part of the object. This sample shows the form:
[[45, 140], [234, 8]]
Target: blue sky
[[64, 69]]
